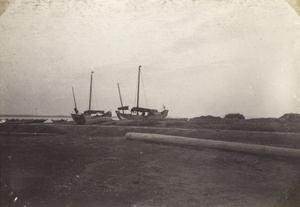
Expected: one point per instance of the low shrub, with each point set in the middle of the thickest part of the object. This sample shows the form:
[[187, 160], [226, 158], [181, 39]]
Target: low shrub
[[234, 116]]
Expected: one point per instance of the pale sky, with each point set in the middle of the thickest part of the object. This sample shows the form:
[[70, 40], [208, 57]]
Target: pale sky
[[202, 57]]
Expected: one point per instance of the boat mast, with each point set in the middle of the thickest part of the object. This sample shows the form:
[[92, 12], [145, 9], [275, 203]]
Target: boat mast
[[74, 101], [74, 97], [138, 92], [91, 90], [120, 97]]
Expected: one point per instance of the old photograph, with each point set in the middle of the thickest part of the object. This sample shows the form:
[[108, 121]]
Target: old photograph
[[150, 103]]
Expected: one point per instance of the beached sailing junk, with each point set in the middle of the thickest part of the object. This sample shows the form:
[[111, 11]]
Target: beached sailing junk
[[138, 113], [90, 116]]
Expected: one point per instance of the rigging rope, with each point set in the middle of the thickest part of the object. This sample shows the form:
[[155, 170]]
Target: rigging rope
[[94, 97], [144, 90]]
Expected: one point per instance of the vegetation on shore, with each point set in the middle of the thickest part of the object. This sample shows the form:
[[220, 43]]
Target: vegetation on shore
[[286, 123]]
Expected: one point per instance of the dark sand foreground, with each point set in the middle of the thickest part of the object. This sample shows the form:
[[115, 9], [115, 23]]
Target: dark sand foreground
[[70, 165]]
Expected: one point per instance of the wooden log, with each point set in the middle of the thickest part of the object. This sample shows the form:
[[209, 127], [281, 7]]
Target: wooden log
[[221, 145]]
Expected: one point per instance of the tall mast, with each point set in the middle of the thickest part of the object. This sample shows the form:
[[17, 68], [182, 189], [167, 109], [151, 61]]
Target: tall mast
[[75, 109], [91, 90], [120, 97], [74, 98], [138, 92]]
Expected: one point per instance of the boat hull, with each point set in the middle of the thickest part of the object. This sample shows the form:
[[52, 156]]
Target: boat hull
[[87, 119], [157, 115], [59, 121], [39, 120]]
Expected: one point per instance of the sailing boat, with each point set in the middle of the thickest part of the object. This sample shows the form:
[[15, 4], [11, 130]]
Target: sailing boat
[[90, 116], [139, 113]]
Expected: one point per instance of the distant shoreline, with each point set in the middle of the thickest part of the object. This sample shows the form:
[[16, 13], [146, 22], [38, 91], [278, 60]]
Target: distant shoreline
[[57, 116], [27, 115]]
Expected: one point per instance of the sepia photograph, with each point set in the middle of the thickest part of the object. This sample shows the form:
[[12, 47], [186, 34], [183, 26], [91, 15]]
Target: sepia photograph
[[149, 103]]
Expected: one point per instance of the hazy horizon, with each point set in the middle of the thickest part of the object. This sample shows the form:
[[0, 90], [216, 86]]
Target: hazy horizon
[[198, 58], [115, 116]]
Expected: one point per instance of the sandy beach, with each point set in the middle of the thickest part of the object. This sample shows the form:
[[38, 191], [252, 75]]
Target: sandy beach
[[71, 165]]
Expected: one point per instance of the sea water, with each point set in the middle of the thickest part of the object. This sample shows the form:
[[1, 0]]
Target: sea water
[[49, 118]]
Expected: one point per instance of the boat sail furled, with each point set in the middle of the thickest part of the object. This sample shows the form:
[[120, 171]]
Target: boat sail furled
[[90, 116], [139, 113]]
